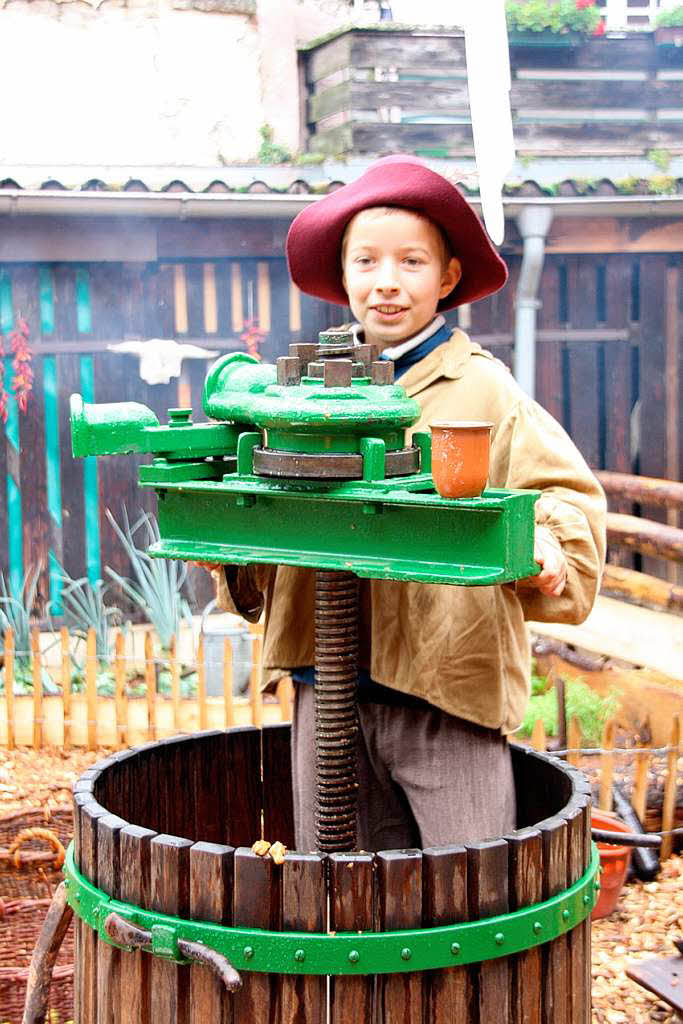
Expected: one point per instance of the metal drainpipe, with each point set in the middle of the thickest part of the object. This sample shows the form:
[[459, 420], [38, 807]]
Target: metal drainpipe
[[533, 223]]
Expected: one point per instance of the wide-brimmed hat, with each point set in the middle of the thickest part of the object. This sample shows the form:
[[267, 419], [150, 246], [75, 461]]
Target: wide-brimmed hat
[[315, 236]]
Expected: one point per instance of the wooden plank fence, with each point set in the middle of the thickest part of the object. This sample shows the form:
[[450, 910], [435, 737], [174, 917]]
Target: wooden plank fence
[[87, 719]]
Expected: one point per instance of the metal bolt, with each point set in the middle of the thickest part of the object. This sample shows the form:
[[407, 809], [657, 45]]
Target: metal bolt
[[538, 927], [500, 938], [382, 372], [300, 956], [337, 373], [354, 956], [248, 952], [179, 417], [455, 948], [304, 351], [406, 954], [586, 899], [565, 915], [288, 370]]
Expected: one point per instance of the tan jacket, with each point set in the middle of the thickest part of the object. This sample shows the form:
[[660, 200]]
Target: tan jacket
[[463, 649]]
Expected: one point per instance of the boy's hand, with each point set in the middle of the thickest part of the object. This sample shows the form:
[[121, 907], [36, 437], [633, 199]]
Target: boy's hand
[[553, 575]]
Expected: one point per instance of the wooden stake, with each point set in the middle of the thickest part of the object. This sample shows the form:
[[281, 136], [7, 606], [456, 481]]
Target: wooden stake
[[91, 687], [574, 741], [641, 767], [285, 695], [227, 683], [175, 682], [9, 687], [607, 766], [201, 684], [538, 737], [66, 685], [151, 685], [669, 802], [37, 689], [121, 701], [255, 681]]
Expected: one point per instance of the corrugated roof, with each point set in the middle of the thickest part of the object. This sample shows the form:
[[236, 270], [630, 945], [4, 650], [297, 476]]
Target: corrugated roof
[[658, 184]]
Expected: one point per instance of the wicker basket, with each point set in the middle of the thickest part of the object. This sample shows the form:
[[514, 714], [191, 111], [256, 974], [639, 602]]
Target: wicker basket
[[32, 853], [20, 924]]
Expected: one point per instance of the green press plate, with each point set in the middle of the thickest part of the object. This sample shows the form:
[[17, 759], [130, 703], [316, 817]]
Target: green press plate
[[390, 529]]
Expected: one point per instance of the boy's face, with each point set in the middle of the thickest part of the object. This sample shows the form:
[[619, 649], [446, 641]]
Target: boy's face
[[394, 273]]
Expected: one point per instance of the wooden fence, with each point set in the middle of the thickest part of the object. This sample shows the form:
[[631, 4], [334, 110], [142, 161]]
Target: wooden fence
[[86, 719]]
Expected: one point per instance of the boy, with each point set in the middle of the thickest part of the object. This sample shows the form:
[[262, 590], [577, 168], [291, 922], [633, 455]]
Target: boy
[[444, 670]]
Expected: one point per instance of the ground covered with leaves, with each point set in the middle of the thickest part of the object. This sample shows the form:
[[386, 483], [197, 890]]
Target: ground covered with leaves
[[647, 917]]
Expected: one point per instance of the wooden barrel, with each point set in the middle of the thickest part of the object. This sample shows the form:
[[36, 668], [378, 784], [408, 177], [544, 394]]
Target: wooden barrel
[[169, 827]]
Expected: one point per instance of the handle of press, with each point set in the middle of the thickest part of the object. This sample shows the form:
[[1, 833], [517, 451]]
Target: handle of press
[[125, 933]]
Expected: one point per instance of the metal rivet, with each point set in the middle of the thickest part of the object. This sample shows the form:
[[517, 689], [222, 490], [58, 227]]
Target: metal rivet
[[500, 938], [565, 915], [455, 948], [597, 886], [586, 899], [96, 912], [406, 954], [538, 927], [354, 956], [300, 956], [248, 952]]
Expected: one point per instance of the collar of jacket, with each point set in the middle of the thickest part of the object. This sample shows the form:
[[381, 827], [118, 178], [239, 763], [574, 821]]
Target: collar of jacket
[[448, 360]]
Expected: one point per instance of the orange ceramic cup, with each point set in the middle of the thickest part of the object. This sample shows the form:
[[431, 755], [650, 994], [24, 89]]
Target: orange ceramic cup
[[460, 457]]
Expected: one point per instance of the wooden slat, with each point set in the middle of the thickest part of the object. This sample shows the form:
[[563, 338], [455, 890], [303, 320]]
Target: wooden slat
[[549, 379], [584, 394], [399, 905], [175, 682], [607, 765], [538, 737], [351, 910], [256, 905], [302, 998], [278, 802], [211, 781], [88, 944], [66, 684], [201, 683], [245, 800], [150, 687], [555, 1008], [670, 788], [227, 684], [641, 767], [170, 894], [211, 883], [444, 901], [91, 687], [120, 683], [135, 884], [255, 680], [108, 959], [525, 851], [36, 667], [9, 686], [487, 895], [574, 741]]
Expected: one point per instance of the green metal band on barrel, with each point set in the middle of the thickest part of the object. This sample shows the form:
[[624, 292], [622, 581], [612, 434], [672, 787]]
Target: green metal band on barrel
[[421, 949]]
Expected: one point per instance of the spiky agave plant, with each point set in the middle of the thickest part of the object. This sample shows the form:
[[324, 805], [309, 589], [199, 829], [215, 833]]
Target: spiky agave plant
[[157, 584], [15, 614], [84, 608]]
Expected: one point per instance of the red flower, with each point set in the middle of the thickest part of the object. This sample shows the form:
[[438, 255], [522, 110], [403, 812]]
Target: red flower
[[581, 5], [599, 29]]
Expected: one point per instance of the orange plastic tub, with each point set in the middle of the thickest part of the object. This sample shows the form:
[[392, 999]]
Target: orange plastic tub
[[614, 863]]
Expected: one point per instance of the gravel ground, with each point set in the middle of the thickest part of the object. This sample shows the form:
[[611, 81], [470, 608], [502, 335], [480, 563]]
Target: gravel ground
[[647, 916]]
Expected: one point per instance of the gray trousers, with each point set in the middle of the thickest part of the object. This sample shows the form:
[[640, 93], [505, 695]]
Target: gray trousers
[[426, 778]]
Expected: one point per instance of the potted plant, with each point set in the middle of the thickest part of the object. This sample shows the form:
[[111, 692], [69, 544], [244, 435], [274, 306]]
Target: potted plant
[[669, 34], [563, 23]]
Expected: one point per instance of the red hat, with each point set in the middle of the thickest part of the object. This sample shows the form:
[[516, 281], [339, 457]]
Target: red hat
[[315, 236]]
